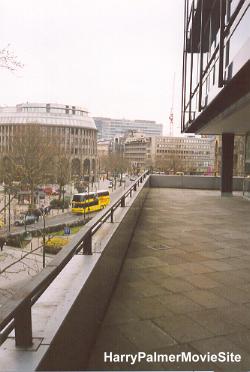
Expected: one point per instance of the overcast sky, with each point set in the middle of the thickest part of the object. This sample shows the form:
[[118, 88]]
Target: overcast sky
[[117, 58]]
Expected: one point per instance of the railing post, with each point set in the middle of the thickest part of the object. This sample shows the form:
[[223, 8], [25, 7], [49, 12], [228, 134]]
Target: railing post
[[123, 201], [135, 186], [131, 193], [87, 244], [112, 215], [141, 179], [23, 326]]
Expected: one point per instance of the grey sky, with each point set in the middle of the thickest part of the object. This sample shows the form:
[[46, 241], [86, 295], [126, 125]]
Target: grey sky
[[115, 57]]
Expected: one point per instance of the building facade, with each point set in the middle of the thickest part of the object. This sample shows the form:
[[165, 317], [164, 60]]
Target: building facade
[[70, 126], [216, 75], [191, 155], [137, 150], [110, 128], [103, 148]]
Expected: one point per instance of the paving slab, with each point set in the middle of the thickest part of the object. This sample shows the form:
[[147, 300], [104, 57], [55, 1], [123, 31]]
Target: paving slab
[[146, 335], [182, 328], [185, 284]]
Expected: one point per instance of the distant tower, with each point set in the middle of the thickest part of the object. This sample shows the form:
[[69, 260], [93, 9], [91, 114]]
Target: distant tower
[[171, 122], [171, 115]]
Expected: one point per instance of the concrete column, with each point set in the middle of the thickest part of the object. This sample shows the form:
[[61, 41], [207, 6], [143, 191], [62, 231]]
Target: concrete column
[[227, 164]]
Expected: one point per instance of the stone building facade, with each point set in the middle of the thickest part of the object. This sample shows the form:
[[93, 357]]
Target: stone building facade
[[70, 126], [189, 154]]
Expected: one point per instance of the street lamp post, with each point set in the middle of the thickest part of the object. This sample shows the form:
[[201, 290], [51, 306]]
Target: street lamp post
[[63, 199], [43, 239], [9, 213], [5, 202], [25, 226]]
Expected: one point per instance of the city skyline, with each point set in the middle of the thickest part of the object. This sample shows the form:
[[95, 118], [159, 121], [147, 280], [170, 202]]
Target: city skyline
[[118, 61]]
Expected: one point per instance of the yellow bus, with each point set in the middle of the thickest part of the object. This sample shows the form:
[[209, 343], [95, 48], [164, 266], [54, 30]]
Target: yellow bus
[[104, 197], [90, 202]]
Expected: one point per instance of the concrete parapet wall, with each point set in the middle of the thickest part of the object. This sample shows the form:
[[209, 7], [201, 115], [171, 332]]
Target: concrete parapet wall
[[66, 318], [192, 182]]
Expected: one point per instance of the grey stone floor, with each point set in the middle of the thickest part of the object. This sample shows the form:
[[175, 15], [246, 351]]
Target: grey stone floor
[[185, 284]]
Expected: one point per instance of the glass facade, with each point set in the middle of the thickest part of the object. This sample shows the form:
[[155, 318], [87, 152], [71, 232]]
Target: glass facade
[[109, 128], [216, 48]]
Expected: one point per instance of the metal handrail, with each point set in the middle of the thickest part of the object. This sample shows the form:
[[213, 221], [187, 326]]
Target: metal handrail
[[16, 312]]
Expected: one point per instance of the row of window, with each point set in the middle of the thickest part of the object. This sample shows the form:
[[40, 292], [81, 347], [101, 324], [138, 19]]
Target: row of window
[[184, 152], [67, 110], [11, 129]]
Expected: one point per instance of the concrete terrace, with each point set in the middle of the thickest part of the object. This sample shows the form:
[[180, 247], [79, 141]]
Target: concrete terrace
[[185, 284]]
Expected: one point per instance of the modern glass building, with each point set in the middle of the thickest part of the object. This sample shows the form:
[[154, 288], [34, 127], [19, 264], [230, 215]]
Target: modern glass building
[[216, 74], [110, 128], [70, 126]]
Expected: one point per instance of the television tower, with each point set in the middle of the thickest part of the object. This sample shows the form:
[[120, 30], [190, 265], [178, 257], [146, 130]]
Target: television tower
[[171, 115]]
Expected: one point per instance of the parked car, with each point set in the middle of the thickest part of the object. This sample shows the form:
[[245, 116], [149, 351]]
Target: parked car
[[25, 220], [41, 194], [110, 185], [30, 219]]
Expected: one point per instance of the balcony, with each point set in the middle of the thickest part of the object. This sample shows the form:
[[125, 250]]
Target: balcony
[[184, 285]]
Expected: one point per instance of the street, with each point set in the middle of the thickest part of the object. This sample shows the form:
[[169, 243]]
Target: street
[[56, 216], [24, 267]]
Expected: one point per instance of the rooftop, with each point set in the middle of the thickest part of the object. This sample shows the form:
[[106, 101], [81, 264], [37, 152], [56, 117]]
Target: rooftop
[[185, 284], [46, 114]]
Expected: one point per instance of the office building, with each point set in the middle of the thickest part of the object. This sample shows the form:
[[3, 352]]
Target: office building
[[110, 128], [70, 126], [188, 154], [216, 76], [191, 154]]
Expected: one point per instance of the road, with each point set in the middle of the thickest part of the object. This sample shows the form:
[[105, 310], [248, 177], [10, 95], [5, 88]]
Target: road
[[24, 267], [68, 217]]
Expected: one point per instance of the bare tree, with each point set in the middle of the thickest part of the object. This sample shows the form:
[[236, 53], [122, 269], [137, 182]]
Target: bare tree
[[62, 171], [30, 158], [8, 60], [171, 163]]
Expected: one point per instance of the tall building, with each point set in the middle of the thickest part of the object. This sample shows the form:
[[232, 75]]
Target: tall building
[[109, 128], [216, 75], [70, 125]]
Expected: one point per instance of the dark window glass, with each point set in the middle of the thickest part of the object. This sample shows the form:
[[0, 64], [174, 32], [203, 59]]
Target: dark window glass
[[78, 198], [103, 193]]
